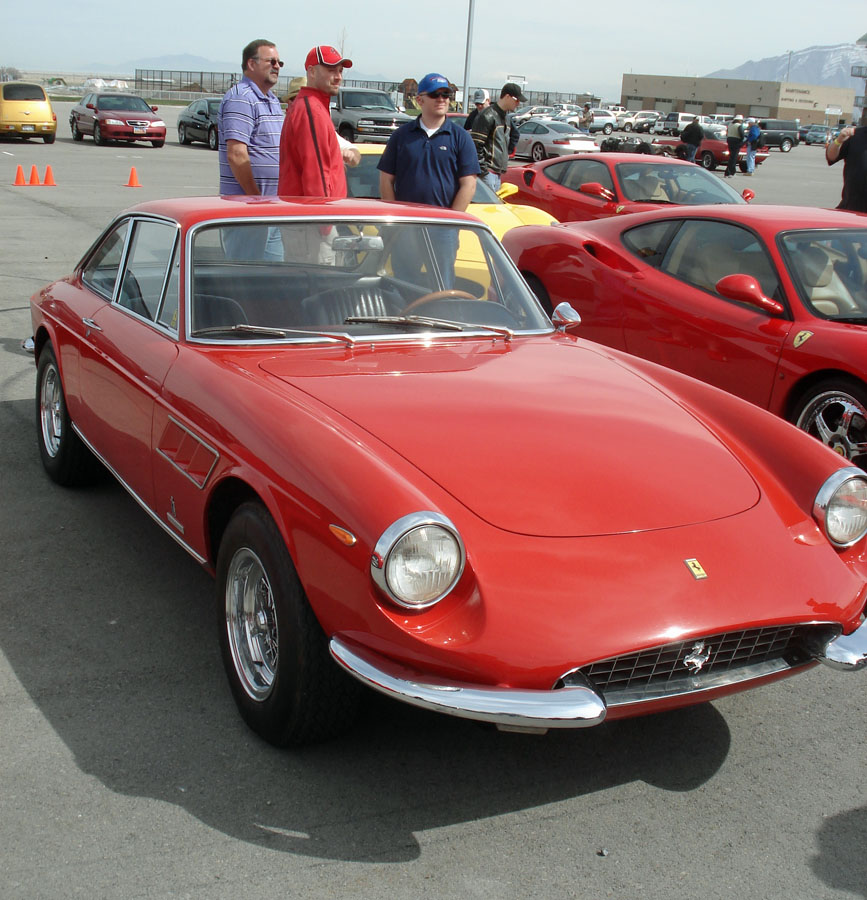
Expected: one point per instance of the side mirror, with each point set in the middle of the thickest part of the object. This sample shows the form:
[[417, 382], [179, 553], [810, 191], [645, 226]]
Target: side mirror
[[507, 190], [745, 289], [595, 189], [565, 317], [154, 108], [748, 194], [91, 106]]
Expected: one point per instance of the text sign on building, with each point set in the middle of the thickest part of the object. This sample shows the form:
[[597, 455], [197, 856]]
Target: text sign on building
[[833, 110]]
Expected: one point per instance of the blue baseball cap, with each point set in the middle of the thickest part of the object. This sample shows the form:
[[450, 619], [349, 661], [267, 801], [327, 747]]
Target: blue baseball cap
[[433, 82]]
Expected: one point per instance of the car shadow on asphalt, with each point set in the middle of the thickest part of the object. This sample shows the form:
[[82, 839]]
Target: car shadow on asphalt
[[843, 838], [110, 629]]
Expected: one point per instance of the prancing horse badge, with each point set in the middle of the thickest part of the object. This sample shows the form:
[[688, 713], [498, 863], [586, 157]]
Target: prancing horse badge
[[801, 337], [695, 567]]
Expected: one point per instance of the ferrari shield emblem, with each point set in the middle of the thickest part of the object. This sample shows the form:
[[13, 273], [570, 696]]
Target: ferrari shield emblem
[[801, 337], [695, 567]]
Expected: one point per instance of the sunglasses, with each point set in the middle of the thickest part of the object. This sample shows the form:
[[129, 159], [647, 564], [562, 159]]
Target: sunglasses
[[274, 63], [440, 95]]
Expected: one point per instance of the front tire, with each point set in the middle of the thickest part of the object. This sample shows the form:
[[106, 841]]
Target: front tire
[[213, 139], [98, 139], [286, 686], [627, 127], [182, 134], [708, 160], [785, 145], [64, 456], [537, 153], [347, 133], [835, 412], [607, 128]]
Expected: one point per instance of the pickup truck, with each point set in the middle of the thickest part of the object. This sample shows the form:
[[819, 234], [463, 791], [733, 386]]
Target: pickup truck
[[364, 115]]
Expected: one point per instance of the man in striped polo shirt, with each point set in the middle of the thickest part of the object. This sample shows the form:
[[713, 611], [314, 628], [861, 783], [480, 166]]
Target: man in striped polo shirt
[[250, 122]]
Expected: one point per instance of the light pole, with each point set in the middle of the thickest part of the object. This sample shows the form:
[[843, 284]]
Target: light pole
[[789, 66], [467, 57]]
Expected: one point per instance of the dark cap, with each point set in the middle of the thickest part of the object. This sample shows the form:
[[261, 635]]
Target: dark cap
[[513, 90]]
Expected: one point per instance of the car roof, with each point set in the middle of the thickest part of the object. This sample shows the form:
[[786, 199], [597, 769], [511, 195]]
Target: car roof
[[189, 211], [779, 218]]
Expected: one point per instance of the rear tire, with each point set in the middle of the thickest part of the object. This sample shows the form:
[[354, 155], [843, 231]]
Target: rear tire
[[284, 681], [537, 153], [347, 133], [157, 144], [76, 134], [49, 138], [785, 145], [627, 127], [64, 456]]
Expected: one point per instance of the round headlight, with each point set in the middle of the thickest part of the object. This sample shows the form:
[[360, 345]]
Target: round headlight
[[841, 507], [418, 560]]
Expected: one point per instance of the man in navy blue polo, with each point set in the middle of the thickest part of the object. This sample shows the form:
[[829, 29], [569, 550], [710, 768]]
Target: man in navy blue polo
[[432, 160]]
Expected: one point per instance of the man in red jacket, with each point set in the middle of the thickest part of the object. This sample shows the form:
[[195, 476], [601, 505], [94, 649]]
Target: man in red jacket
[[311, 162]]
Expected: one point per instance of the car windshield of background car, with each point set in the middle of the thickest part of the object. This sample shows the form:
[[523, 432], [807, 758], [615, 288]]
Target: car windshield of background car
[[829, 269], [359, 278], [133, 104], [685, 184], [360, 100]]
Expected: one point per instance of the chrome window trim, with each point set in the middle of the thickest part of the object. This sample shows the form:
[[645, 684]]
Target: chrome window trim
[[390, 537], [823, 498]]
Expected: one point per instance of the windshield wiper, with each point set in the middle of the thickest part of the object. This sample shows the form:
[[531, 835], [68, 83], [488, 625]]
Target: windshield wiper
[[266, 331], [426, 321]]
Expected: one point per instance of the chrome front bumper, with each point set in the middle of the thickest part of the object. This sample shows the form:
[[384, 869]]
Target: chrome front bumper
[[848, 652], [510, 709]]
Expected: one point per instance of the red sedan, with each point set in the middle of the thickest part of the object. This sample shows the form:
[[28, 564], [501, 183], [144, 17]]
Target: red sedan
[[769, 303], [713, 151], [116, 117], [403, 476], [580, 187]]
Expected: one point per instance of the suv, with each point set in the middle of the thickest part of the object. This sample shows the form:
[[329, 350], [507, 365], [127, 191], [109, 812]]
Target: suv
[[638, 121], [673, 123], [25, 111], [362, 114], [782, 133]]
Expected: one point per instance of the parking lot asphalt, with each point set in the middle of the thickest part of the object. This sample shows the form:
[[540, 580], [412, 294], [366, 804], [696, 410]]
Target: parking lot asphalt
[[125, 770]]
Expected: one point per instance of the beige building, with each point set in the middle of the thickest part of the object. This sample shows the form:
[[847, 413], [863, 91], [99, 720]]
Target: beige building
[[811, 103]]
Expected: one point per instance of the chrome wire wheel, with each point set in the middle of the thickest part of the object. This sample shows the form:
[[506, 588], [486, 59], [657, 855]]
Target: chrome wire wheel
[[838, 418], [251, 623], [51, 410]]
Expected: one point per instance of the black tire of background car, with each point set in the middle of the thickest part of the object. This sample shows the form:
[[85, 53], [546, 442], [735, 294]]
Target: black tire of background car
[[70, 463], [537, 154], [785, 145], [76, 134], [538, 289], [708, 160], [97, 135], [157, 144], [627, 127], [311, 699], [182, 134], [835, 392], [347, 133], [49, 138], [742, 166], [213, 140]]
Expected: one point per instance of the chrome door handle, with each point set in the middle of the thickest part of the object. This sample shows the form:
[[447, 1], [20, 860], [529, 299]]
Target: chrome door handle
[[91, 324]]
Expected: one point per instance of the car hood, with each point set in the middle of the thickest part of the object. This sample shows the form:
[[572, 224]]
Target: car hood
[[548, 437], [500, 217]]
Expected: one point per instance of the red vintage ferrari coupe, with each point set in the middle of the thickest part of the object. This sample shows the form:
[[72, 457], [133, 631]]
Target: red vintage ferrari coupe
[[769, 303], [713, 151], [357, 415], [581, 187]]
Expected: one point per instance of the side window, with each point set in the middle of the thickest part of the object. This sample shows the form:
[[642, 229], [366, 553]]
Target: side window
[[169, 312], [583, 171], [650, 242], [556, 171], [147, 264], [100, 273], [705, 251]]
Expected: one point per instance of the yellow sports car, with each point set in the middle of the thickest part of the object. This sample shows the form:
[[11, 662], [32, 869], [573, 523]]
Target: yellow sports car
[[363, 181]]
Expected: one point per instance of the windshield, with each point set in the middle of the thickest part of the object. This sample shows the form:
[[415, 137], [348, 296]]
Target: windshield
[[362, 181], [667, 183], [136, 104], [829, 268], [366, 100], [214, 107], [343, 280]]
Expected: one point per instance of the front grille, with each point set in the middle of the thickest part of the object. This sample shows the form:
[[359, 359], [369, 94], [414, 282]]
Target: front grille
[[135, 123], [703, 663]]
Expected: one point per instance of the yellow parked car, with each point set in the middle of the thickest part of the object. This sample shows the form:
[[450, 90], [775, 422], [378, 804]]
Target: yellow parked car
[[25, 111]]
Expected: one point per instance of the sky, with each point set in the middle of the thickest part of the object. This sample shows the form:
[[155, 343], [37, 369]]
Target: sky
[[555, 45]]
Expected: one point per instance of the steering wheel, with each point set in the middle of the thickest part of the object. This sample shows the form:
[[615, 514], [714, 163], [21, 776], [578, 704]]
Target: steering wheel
[[438, 295]]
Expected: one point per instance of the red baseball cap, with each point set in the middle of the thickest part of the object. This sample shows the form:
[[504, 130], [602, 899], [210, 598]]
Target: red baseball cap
[[326, 56]]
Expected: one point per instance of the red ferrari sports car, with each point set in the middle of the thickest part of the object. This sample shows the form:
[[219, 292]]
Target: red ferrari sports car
[[769, 303], [713, 151], [579, 187], [357, 415]]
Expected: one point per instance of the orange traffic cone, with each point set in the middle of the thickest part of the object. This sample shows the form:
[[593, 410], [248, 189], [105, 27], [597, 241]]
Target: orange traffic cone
[[34, 176], [133, 178], [49, 178], [19, 177]]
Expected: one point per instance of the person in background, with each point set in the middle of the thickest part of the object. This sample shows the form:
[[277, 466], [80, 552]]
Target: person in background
[[850, 145], [753, 140], [311, 161], [249, 123], [692, 136], [481, 100], [431, 160], [491, 134], [735, 140], [585, 120]]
